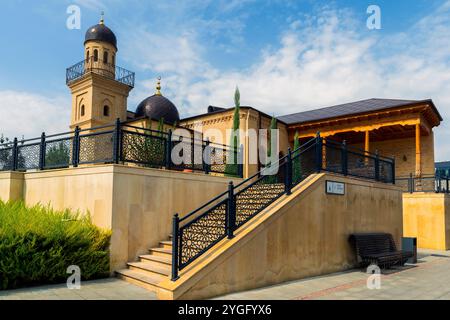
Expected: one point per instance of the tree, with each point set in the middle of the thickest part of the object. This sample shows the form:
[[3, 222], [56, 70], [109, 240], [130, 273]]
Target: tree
[[231, 167], [3, 139], [146, 149], [5, 152], [296, 163], [58, 156]]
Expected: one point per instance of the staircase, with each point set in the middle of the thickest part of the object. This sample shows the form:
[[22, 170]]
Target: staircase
[[155, 267], [151, 269], [211, 225]]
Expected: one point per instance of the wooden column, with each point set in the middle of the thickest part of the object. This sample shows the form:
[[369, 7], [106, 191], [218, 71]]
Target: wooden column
[[367, 146], [418, 152], [324, 153], [366, 143]]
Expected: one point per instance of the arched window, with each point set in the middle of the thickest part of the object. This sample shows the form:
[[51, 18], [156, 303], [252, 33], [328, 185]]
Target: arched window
[[87, 56], [82, 110], [105, 57], [113, 59], [95, 55], [106, 111]]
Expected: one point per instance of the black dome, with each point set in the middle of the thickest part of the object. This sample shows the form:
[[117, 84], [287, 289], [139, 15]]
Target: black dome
[[157, 107], [100, 32]]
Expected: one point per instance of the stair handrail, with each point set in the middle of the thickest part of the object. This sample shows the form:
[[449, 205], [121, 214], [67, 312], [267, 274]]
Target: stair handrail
[[229, 197], [176, 221], [235, 187]]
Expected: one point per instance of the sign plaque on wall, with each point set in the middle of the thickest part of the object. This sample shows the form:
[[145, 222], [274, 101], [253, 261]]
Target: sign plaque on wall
[[333, 187]]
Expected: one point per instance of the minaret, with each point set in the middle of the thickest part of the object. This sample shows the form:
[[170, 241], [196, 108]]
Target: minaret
[[99, 88]]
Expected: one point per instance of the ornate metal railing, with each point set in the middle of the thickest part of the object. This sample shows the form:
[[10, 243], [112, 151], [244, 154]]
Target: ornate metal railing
[[347, 160], [425, 183], [117, 144], [198, 231], [99, 67]]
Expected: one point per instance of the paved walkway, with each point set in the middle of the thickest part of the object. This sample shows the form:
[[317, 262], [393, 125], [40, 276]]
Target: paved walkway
[[105, 289], [429, 279]]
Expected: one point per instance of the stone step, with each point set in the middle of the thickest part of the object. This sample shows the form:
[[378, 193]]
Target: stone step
[[149, 268], [161, 252], [166, 244], [149, 282], [160, 260]]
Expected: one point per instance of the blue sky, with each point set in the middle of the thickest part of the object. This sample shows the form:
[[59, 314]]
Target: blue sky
[[286, 56]]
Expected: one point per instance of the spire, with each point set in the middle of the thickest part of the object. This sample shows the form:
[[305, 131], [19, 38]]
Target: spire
[[158, 87], [102, 19]]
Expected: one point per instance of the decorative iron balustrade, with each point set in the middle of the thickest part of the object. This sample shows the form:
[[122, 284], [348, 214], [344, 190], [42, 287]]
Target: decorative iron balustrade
[[347, 160], [99, 67], [425, 183], [118, 144], [201, 229]]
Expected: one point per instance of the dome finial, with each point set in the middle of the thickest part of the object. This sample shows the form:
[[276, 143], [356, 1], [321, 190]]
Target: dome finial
[[158, 86], [102, 18]]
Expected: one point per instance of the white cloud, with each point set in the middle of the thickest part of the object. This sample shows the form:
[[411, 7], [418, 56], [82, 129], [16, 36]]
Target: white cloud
[[94, 5], [321, 60], [28, 114]]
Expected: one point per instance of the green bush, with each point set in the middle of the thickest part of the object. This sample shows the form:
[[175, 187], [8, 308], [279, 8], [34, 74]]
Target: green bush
[[38, 244]]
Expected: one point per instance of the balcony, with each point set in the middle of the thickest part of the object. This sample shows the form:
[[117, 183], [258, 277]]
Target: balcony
[[107, 70]]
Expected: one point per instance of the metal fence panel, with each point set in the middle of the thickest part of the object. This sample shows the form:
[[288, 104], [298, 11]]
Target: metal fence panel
[[96, 148], [6, 160]]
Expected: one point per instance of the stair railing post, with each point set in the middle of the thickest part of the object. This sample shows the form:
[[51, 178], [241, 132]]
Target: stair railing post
[[410, 183], [411, 179], [446, 183], [207, 161], [76, 147], [15, 155], [437, 187], [241, 162], [319, 160], [116, 141], [169, 149], [192, 153], [344, 158], [288, 173], [175, 228], [231, 212], [42, 152], [393, 170], [377, 166]]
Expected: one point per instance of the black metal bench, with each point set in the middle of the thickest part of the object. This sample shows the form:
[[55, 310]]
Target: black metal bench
[[379, 249]]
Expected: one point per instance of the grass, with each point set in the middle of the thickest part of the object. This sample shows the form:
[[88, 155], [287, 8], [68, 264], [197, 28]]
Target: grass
[[38, 244]]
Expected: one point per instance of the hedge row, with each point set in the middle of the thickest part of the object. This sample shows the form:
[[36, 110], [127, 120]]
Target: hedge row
[[38, 244]]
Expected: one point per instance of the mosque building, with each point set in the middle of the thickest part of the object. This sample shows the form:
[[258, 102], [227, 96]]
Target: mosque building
[[198, 230], [401, 129]]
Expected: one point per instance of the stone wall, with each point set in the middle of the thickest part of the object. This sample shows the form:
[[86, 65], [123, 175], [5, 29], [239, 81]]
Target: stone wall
[[303, 235], [426, 216], [137, 204]]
